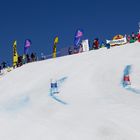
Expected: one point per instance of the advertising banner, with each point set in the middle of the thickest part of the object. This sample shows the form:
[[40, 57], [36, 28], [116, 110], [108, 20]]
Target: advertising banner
[[117, 42], [85, 44]]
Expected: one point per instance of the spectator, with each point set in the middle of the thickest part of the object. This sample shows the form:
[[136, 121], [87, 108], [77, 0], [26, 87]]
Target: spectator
[[36, 58], [102, 45], [19, 61], [75, 50], [138, 36], [24, 59], [128, 38], [43, 57], [133, 36], [32, 57], [107, 45], [80, 48], [70, 50], [27, 58], [3, 64], [95, 45], [0, 68]]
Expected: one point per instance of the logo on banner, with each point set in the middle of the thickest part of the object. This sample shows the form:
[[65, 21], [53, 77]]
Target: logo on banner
[[117, 42]]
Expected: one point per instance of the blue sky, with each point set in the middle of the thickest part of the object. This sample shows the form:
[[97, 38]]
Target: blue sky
[[42, 20]]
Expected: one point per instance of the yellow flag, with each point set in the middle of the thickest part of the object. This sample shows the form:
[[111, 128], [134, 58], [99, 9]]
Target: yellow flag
[[56, 40], [15, 54], [54, 47]]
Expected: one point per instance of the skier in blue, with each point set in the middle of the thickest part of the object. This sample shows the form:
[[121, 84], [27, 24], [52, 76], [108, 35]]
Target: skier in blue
[[54, 87]]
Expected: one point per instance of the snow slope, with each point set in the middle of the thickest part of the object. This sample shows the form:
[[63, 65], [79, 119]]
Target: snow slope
[[97, 106]]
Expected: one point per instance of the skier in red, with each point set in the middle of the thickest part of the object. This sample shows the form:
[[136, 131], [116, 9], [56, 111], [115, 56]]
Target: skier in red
[[126, 77], [126, 80]]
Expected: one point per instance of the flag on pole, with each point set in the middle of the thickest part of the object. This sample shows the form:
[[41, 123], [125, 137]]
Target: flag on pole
[[77, 38], [54, 46], [27, 45], [15, 54], [56, 40]]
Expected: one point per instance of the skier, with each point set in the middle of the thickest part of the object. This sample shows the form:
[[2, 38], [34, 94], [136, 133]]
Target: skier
[[126, 78], [54, 87]]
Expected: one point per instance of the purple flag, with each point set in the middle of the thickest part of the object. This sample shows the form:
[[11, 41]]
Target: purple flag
[[78, 36], [27, 45]]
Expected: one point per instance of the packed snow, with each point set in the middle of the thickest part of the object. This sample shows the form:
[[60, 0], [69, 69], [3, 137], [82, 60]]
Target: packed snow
[[91, 104]]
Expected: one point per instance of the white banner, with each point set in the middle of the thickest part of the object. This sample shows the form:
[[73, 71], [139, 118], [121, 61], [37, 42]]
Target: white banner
[[85, 45], [117, 42]]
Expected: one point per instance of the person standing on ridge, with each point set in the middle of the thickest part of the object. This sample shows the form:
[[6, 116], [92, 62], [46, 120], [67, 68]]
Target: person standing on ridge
[[138, 36], [3, 64], [95, 45], [0, 68]]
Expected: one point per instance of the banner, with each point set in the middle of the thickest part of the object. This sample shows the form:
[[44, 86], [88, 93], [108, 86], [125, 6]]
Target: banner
[[15, 54], [85, 44], [56, 40], [117, 42], [27, 45], [54, 46], [78, 36]]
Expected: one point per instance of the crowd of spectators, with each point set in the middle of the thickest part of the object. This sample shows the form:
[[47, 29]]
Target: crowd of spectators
[[96, 44]]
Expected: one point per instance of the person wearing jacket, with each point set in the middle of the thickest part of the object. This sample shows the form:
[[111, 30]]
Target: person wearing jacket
[[138, 36], [70, 50], [107, 45], [0, 68], [95, 45]]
